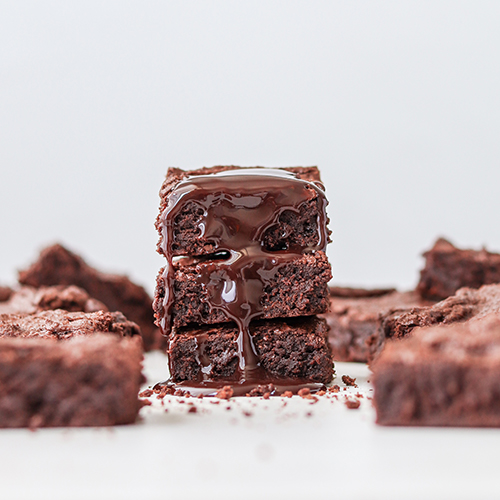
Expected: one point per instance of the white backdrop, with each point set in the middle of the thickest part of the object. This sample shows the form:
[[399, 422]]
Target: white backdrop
[[397, 102]]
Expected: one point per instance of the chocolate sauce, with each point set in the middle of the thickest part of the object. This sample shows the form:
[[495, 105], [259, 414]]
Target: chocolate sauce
[[239, 207]]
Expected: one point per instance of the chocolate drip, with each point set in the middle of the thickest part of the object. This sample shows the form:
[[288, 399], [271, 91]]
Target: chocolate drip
[[239, 208]]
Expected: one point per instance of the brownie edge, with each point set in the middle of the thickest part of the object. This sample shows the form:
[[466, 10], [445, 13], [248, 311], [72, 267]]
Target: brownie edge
[[85, 381], [441, 376]]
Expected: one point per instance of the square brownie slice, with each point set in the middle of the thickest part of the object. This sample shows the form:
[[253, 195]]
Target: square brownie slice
[[355, 316], [448, 268], [85, 381], [441, 376]]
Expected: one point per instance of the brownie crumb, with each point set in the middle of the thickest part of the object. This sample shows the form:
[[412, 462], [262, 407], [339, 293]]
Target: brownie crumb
[[352, 404], [225, 393], [334, 388], [192, 409], [304, 392], [349, 380], [320, 393], [200, 396], [146, 394], [287, 394]]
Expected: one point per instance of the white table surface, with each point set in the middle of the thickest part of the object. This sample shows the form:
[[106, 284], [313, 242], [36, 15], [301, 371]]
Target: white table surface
[[294, 451]]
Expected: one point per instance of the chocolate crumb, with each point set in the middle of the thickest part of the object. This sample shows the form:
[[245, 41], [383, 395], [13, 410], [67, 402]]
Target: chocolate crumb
[[349, 380], [304, 392], [352, 404], [309, 414], [200, 396], [359, 395], [228, 407], [192, 409], [320, 393], [287, 394], [267, 395], [334, 388], [225, 393], [247, 413], [146, 394]]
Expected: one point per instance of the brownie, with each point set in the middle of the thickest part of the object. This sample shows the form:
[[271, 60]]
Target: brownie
[[287, 348], [292, 228], [58, 266], [244, 246], [30, 300], [85, 381], [299, 288], [355, 314], [448, 268], [444, 375], [5, 293], [61, 324]]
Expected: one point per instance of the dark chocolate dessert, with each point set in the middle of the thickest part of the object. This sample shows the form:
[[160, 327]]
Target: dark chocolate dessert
[[58, 266], [86, 381], [355, 316], [448, 268], [441, 376], [464, 305], [243, 245]]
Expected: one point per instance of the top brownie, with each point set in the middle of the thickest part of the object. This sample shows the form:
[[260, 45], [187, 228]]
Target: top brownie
[[448, 268], [291, 228]]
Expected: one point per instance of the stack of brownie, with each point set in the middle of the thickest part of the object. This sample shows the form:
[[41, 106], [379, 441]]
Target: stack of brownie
[[246, 275]]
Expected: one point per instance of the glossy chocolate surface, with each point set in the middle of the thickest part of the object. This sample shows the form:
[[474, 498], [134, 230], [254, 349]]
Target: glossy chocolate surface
[[239, 207]]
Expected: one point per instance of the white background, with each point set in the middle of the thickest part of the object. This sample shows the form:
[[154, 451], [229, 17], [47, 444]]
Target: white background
[[397, 102]]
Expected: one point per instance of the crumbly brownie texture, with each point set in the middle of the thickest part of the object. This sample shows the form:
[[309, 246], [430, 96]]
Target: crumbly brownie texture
[[5, 293], [58, 266], [81, 382], [300, 288], [441, 376], [448, 268], [63, 325], [354, 318], [294, 228], [464, 305], [293, 348], [30, 300]]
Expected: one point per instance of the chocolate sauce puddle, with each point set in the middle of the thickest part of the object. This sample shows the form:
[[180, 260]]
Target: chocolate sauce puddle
[[239, 207]]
